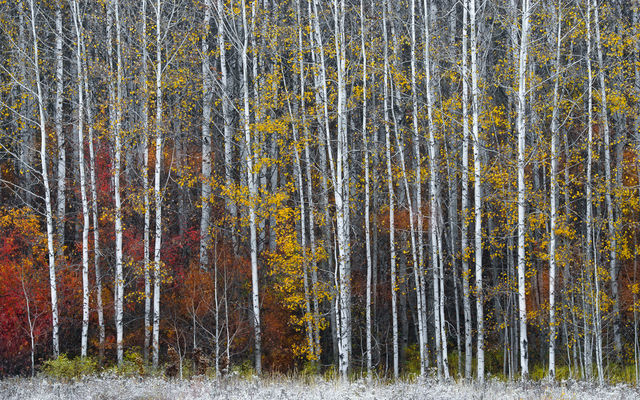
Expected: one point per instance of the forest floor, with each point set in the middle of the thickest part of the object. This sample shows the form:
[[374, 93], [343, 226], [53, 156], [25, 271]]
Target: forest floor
[[297, 389]]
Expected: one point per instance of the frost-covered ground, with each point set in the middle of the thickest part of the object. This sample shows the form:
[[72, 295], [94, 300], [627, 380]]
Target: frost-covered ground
[[283, 388]]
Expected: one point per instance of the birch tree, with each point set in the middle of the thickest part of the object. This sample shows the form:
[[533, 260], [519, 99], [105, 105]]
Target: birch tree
[[157, 262], [521, 128], [392, 250], [77, 22], [45, 181], [60, 136], [207, 96], [145, 187], [466, 272], [117, 129], [553, 202], [253, 192], [477, 171]]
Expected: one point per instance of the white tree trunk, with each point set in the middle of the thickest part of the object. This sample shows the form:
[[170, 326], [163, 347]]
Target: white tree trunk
[[60, 138], [553, 201], [477, 166], [253, 192], [591, 254], [226, 117], [77, 22], [521, 129], [419, 269], [145, 187], [157, 273], [392, 242], [435, 210], [367, 196], [341, 190], [119, 278], [94, 208], [466, 272], [207, 95], [47, 193]]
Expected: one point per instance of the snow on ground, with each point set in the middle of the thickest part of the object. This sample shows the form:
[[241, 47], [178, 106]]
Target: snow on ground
[[106, 388]]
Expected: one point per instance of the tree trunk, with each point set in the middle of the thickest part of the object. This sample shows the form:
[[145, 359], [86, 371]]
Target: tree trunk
[[47, 193], [207, 96], [553, 201], [253, 192], [521, 128], [477, 188], [145, 187], [60, 138], [77, 21], [392, 245], [157, 262], [466, 271]]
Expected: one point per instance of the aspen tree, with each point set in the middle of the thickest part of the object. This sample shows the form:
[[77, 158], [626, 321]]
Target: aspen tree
[[226, 115], [145, 187], [157, 194], [477, 171], [392, 250], [521, 128], [419, 268], [60, 136], [466, 272], [77, 22], [47, 194], [207, 96], [367, 200], [253, 192], [341, 190], [94, 206], [553, 202], [119, 278]]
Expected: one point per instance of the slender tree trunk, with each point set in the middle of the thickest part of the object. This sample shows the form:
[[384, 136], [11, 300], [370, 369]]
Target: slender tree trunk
[[94, 209], [60, 137], [77, 22], [466, 271], [392, 245], [157, 262], [226, 119], [521, 128], [420, 286], [590, 255], [325, 149], [477, 188], [553, 201], [207, 96], [47, 193], [341, 190], [253, 192], [145, 187], [115, 122]]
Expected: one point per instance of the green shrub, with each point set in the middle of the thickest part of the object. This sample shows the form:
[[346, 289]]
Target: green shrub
[[132, 365], [244, 370], [65, 369], [412, 366], [617, 373]]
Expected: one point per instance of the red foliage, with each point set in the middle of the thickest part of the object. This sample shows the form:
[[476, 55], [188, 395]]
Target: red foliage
[[24, 292]]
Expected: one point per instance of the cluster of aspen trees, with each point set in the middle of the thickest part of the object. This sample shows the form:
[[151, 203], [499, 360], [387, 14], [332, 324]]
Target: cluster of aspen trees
[[415, 179]]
